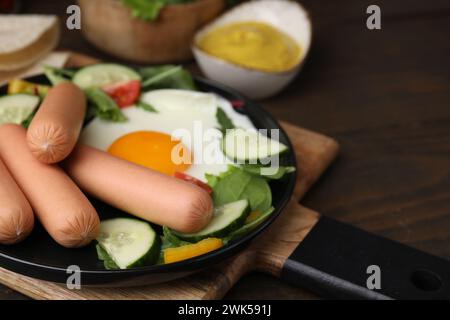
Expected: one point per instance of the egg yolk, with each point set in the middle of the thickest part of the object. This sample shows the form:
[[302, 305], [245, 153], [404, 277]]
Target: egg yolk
[[153, 150]]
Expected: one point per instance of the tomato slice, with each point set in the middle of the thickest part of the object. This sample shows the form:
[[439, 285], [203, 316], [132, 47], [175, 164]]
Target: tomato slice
[[237, 104], [188, 178], [125, 93]]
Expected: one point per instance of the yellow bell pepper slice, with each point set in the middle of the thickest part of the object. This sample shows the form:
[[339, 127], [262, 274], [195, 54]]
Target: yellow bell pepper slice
[[20, 86], [191, 250], [253, 216]]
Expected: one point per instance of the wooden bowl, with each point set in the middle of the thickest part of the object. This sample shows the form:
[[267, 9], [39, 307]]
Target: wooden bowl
[[109, 25]]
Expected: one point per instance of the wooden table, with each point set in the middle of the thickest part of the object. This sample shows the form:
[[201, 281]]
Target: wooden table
[[385, 95]]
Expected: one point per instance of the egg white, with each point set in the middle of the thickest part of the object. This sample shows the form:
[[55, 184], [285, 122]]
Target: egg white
[[176, 110]]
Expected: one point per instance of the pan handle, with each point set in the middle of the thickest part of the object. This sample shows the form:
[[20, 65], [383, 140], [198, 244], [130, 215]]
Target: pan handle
[[337, 260]]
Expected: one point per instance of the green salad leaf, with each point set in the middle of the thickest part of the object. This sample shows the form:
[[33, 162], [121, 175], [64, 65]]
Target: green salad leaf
[[58, 75], [145, 9], [169, 240], [246, 228], [211, 179], [26, 123], [223, 120], [149, 9], [146, 106], [105, 107], [167, 76], [237, 184]]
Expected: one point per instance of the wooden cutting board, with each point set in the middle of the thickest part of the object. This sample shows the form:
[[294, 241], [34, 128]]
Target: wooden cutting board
[[267, 253]]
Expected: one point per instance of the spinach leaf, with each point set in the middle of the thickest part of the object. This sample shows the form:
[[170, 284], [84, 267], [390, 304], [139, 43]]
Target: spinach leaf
[[90, 112], [238, 184], [146, 106], [57, 75], [105, 107], [231, 187], [104, 256], [26, 123], [223, 120], [169, 240], [246, 228], [211, 179], [258, 194], [68, 73], [167, 76]]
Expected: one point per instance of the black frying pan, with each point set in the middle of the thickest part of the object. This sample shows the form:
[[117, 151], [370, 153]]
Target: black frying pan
[[331, 260], [40, 257]]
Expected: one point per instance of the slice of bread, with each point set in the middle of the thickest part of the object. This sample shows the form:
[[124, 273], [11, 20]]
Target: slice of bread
[[25, 39]]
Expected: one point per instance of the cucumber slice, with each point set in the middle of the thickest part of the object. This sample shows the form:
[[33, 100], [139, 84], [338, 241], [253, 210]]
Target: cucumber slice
[[226, 218], [129, 242], [249, 146], [267, 172], [17, 108], [103, 74]]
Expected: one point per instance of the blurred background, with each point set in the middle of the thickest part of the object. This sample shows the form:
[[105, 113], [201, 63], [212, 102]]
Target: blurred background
[[383, 94]]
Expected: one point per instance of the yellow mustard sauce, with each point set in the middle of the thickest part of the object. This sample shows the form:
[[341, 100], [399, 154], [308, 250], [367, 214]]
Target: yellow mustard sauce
[[254, 45]]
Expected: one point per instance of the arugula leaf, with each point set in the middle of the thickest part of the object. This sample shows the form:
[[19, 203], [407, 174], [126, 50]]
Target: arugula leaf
[[223, 120], [237, 184], [105, 107], [146, 106], [104, 256], [167, 76]]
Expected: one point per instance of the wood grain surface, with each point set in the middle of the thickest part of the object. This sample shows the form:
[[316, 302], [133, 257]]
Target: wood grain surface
[[385, 96]]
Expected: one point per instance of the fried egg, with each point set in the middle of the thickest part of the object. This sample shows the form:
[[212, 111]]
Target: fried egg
[[181, 136]]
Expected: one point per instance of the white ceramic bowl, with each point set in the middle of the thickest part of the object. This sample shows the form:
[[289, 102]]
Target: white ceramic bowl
[[287, 16]]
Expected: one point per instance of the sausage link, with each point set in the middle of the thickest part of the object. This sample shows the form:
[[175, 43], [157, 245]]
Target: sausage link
[[61, 207], [16, 215], [140, 191], [55, 128]]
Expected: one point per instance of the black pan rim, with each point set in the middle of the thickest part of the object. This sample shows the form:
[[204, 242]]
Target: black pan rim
[[197, 263]]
